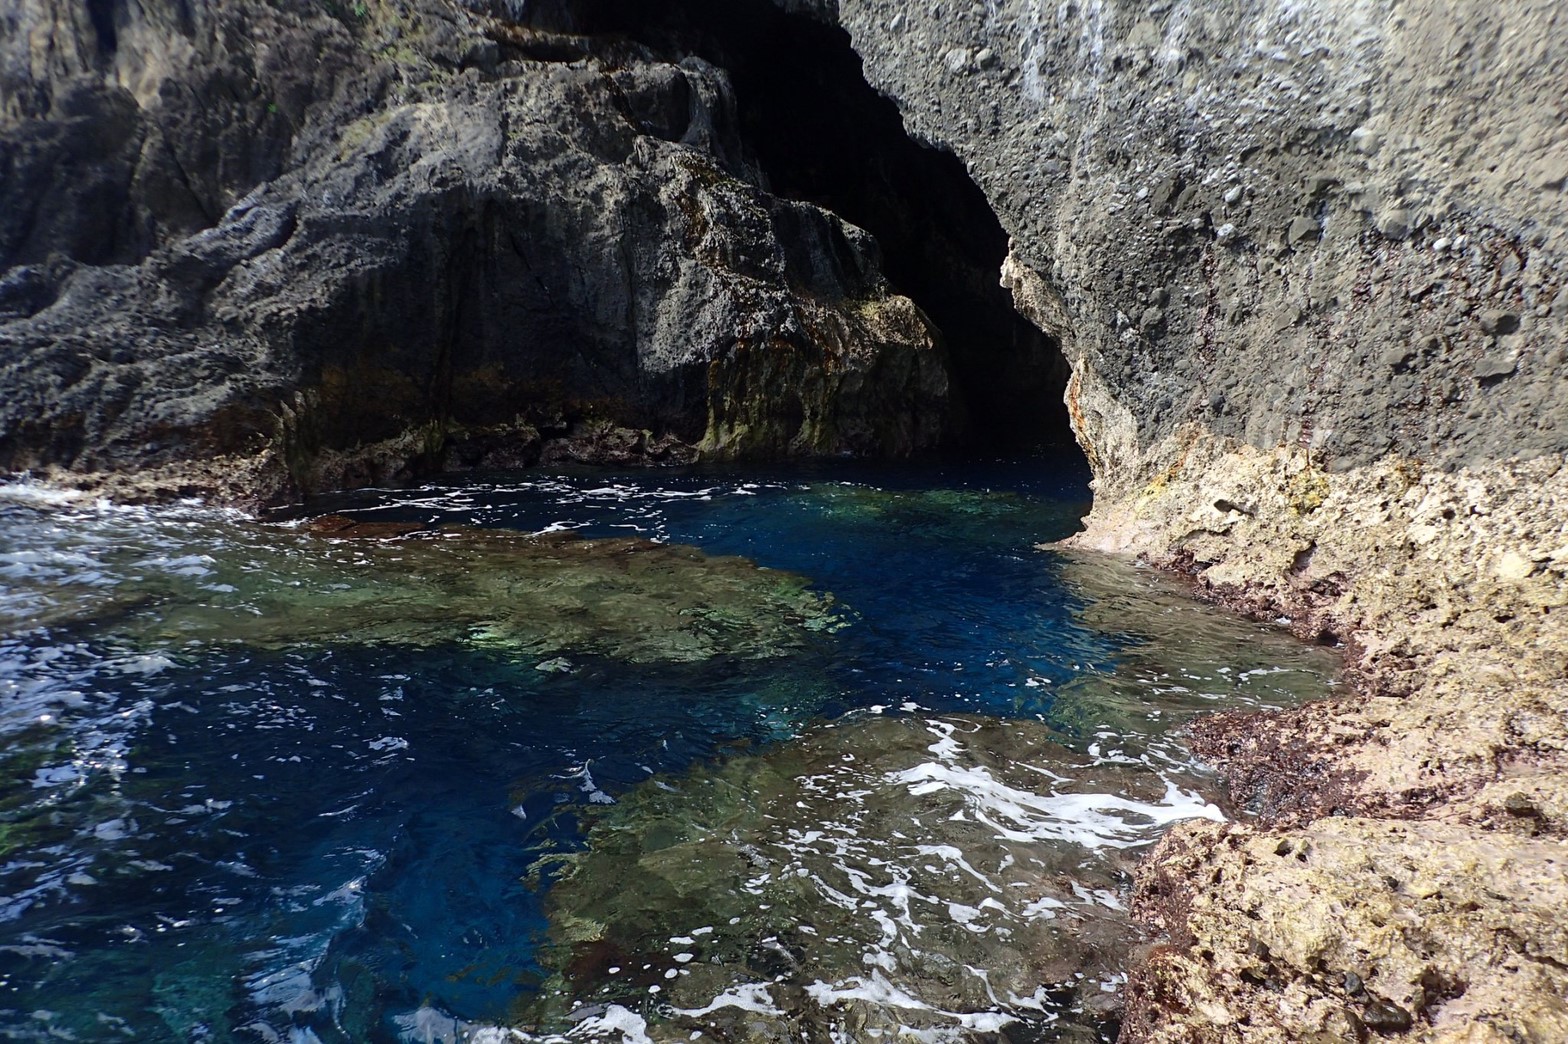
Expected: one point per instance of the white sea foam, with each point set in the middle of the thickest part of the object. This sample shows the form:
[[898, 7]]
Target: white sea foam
[[1093, 820], [753, 997], [878, 991]]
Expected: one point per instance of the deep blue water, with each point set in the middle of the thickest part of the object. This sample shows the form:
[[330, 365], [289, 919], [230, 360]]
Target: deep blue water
[[211, 840]]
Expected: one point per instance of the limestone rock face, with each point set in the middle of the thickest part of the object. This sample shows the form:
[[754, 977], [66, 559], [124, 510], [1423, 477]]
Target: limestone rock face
[[418, 235], [1335, 227], [1307, 263], [1356, 928]]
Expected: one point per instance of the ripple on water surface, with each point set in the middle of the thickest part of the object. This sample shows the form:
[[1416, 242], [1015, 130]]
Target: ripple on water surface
[[831, 748]]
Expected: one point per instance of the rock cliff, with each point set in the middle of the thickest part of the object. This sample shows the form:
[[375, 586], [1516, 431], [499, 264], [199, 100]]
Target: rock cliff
[[1307, 262], [331, 244]]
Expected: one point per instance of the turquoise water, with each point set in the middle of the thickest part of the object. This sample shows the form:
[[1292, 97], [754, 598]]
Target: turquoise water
[[262, 784]]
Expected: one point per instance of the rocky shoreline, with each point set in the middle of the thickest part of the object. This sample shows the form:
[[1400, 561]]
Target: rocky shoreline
[[1397, 863], [1405, 870], [1306, 263]]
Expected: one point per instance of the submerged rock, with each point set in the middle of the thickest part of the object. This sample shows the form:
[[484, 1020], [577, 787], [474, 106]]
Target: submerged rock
[[527, 596], [943, 877], [1176, 658]]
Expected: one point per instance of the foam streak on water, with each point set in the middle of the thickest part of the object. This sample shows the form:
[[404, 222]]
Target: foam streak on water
[[903, 876], [830, 748]]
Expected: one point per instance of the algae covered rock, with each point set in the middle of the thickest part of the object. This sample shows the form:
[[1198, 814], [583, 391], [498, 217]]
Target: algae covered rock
[[535, 597], [946, 877], [530, 596]]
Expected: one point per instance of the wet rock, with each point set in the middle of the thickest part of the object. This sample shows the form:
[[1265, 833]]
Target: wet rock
[[358, 276], [948, 876], [603, 443], [845, 393]]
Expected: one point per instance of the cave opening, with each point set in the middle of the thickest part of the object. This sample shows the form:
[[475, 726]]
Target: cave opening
[[819, 132], [822, 134]]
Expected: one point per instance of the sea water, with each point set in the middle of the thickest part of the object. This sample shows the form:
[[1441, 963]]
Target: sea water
[[812, 753]]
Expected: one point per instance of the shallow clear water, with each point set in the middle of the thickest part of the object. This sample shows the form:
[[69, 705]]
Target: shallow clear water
[[258, 784]]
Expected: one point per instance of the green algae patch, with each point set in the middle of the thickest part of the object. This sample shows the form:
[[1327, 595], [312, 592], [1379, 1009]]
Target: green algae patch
[[528, 596], [534, 597], [883, 875]]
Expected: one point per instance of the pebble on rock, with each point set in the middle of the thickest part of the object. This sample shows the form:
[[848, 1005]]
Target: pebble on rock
[[1494, 367], [1394, 224], [1302, 230], [1499, 321]]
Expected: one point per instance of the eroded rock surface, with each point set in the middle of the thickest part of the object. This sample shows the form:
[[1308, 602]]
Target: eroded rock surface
[[1356, 928], [365, 240], [1449, 587], [1307, 263], [1289, 223]]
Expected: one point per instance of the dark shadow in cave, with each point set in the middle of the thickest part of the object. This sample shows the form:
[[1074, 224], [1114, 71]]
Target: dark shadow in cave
[[821, 133], [101, 14]]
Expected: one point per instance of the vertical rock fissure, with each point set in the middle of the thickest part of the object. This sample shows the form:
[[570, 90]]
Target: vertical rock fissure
[[101, 14], [821, 133]]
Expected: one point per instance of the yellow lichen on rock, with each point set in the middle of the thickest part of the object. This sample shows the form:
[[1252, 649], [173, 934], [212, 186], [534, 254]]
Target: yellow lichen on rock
[[1435, 931], [1441, 905]]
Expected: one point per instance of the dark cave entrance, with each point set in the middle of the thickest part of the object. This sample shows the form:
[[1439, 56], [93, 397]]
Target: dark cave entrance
[[820, 133]]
